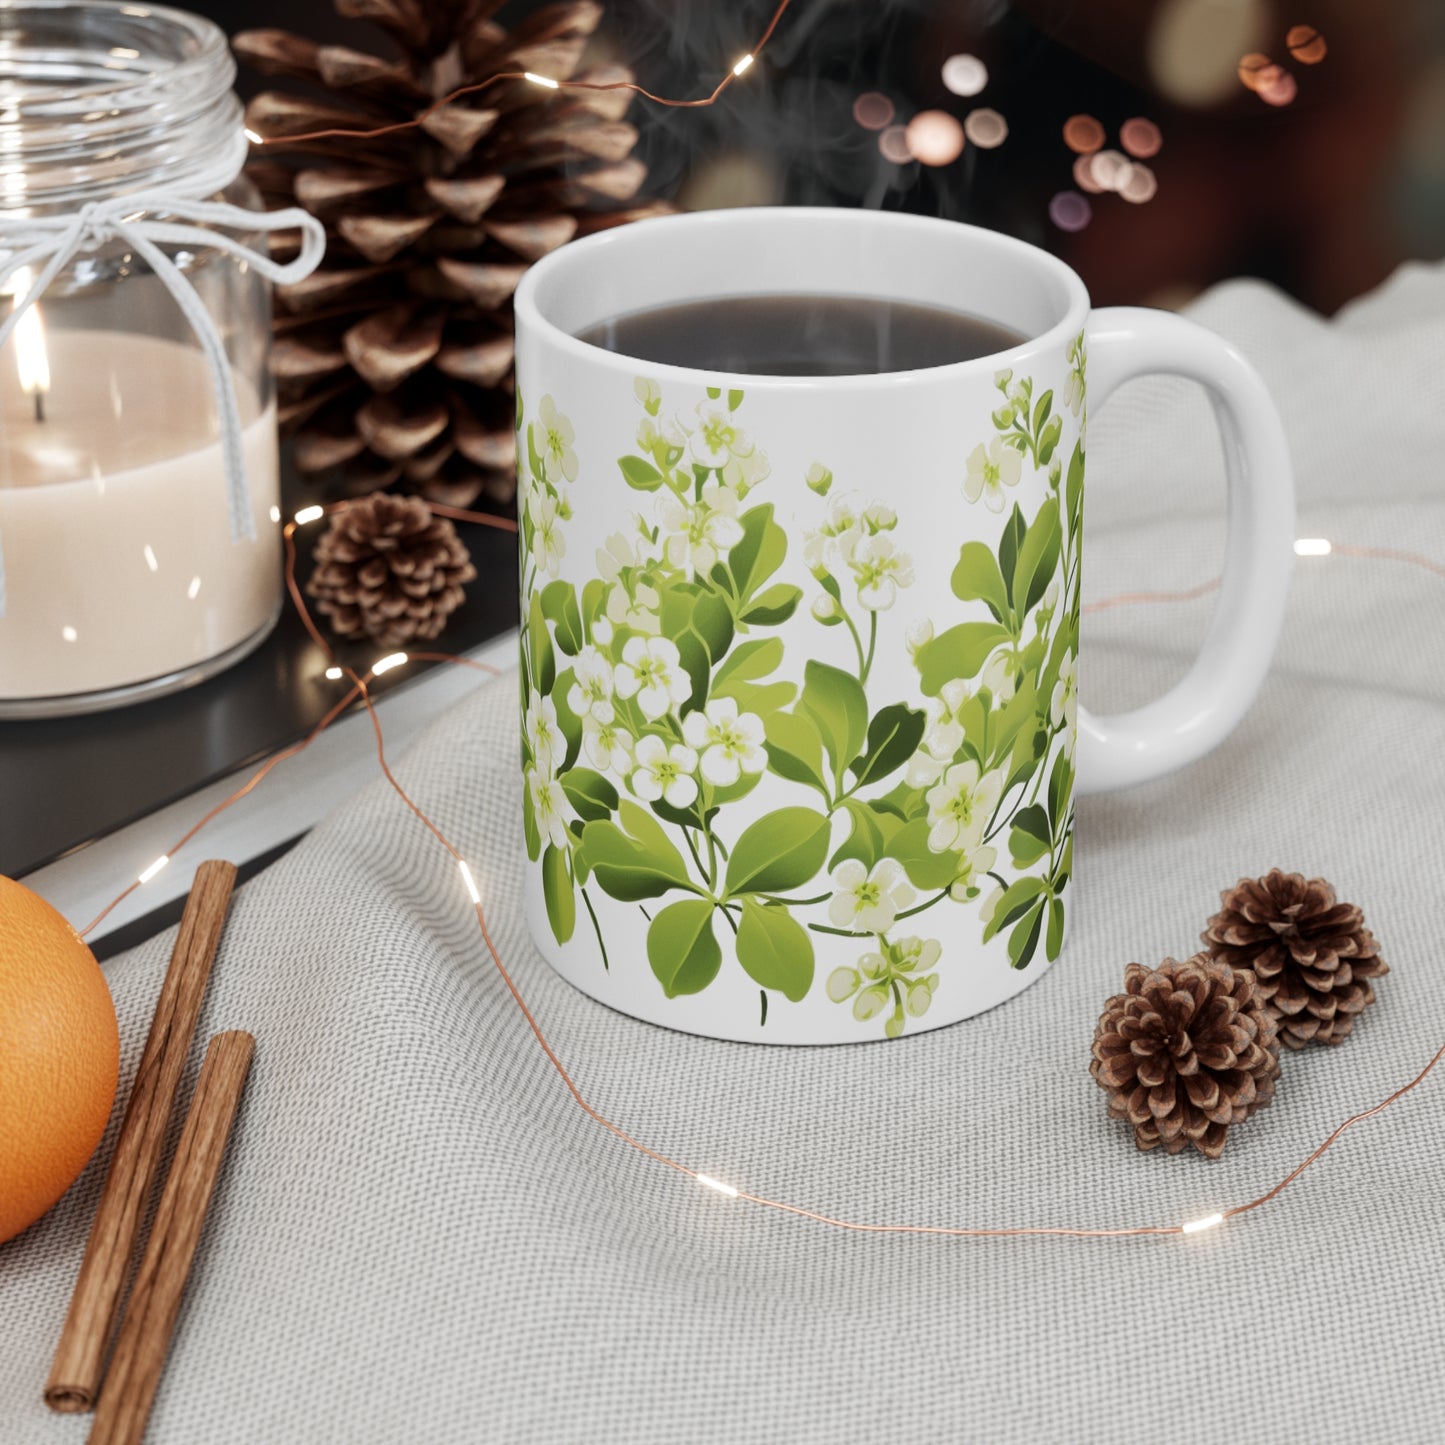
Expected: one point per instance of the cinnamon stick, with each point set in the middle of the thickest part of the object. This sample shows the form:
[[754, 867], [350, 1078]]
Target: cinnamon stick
[[155, 1298], [79, 1362]]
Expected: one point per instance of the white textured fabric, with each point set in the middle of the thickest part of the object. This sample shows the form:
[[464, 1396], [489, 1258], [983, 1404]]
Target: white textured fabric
[[418, 1236]]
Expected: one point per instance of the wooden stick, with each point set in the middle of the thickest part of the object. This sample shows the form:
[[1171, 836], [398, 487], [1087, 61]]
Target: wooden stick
[[79, 1363], [155, 1298]]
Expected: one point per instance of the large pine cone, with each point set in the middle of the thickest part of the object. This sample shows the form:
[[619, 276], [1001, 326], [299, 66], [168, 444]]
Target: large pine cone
[[1185, 1051], [394, 360], [1313, 957], [388, 570]]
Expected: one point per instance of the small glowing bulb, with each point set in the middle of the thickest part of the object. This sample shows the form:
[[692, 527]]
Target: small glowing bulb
[[541, 80], [275, 513], [256, 140], [385, 664], [155, 868], [69, 634], [469, 880], [332, 674], [1196, 1226], [742, 64], [309, 514], [711, 1183], [1313, 547]]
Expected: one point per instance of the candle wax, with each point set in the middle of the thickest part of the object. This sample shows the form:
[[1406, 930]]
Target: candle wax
[[114, 522]]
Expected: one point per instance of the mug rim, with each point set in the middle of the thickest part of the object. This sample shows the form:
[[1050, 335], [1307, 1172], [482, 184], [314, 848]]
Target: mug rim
[[529, 300]]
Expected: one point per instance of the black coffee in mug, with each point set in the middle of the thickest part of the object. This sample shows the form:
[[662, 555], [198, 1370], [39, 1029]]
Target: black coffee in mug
[[801, 335]]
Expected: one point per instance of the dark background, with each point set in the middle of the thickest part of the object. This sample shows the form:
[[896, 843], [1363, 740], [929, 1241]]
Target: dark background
[[1323, 196]]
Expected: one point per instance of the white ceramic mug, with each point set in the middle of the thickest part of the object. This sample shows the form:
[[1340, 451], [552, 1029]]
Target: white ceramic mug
[[799, 654]]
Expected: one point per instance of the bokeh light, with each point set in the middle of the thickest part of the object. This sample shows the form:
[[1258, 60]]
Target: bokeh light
[[1140, 185], [1084, 175], [873, 111], [1278, 87], [1083, 134], [1140, 137], [1306, 44], [1252, 66], [965, 74], [1110, 170], [985, 128], [934, 137], [1070, 211], [1194, 46], [893, 142]]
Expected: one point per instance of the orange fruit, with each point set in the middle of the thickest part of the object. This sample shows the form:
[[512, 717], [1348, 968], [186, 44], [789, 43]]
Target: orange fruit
[[59, 1056]]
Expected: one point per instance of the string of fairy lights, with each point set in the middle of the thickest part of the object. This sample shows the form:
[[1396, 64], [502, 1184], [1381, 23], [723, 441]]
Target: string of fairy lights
[[359, 691], [932, 141]]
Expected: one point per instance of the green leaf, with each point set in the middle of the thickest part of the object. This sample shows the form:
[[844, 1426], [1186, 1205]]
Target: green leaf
[[976, 578], [559, 607], [568, 723], [925, 868], [869, 837], [534, 459], [783, 849], [640, 475], [774, 606], [1061, 787], [529, 825], [591, 795], [1025, 938], [795, 750], [1074, 488], [1016, 901], [959, 652], [1030, 836], [681, 947], [1049, 440], [713, 623], [775, 950], [746, 663], [1038, 558], [714, 392], [1055, 940], [558, 895], [594, 601], [762, 700], [893, 737], [1008, 548], [835, 702], [543, 662], [759, 553], [735, 400], [637, 863], [1041, 411]]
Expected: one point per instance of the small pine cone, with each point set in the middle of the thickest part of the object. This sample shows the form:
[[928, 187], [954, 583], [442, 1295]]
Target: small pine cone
[[1185, 1051], [1312, 956], [387, 569]]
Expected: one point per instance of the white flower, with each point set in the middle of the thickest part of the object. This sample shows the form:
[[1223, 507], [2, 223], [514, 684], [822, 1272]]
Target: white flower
[[1002, 378], [552, 436], [591, 694], [989, 472], [918, 634], [665, 773], [651, 669], [665, 443], [879, 518], [818, 478], [730, 743], [1051, 597], [608, 746], [998, 677], [718, 438], [960, 806], [701, 533], [602, 632], [944, 735], [915, 954], [743, 473], [974, 865], [617, 554], [1064, 704], [636, 609], [544, 738], [549, 807], [868, 902], [647, 391], [825, 608], [1078, 361], [880, 570], [549, 546], [920, 995]]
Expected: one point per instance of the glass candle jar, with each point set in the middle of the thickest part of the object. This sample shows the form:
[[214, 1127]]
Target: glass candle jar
[[130, 567]]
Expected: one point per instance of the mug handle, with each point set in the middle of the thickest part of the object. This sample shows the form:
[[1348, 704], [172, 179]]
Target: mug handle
[[1203, 708]]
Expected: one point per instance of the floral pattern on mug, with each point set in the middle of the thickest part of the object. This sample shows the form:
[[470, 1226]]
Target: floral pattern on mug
[[659, 692]]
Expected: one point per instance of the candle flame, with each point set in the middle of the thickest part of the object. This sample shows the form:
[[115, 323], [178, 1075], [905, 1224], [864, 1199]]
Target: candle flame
[[31, 359]]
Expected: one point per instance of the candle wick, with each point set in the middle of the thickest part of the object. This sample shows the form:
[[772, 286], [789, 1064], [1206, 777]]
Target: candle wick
[[39, 404]]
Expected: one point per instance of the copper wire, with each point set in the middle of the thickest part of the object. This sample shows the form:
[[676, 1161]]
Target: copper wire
[[344, 133], [359, 689]]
